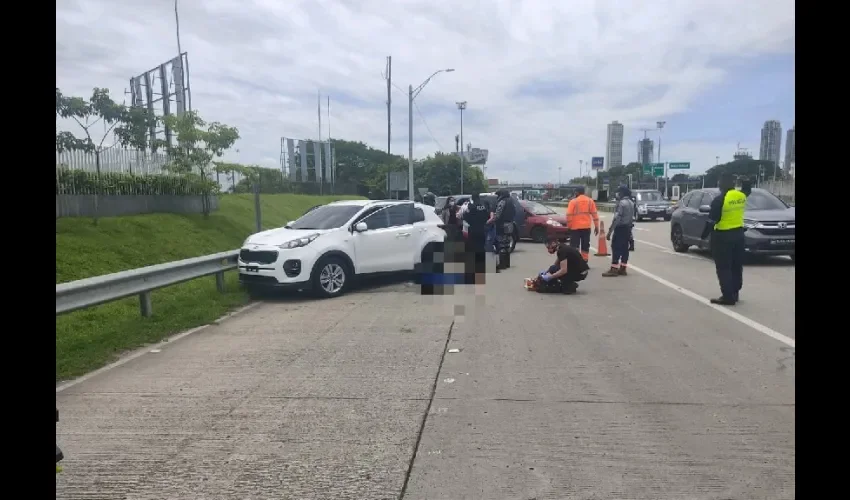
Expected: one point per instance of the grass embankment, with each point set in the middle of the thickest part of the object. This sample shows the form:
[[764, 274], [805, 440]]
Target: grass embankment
[[91, 338]]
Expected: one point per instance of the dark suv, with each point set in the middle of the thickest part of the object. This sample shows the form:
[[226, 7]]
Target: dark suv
[[768, 222], [651, 205]]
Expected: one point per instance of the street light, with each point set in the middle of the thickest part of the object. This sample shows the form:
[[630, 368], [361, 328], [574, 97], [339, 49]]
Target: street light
[[461, 106], [412, 93]]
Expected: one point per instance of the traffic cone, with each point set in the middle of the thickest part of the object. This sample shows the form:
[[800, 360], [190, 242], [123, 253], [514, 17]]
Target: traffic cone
[[602, 246]]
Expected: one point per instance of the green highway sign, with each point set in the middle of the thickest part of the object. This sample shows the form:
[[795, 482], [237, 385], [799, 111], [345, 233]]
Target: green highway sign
[[682, 165], [649, 168], [658, 170]]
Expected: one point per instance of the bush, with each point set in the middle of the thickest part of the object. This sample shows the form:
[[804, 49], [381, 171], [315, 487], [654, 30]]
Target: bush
[[70, 181]]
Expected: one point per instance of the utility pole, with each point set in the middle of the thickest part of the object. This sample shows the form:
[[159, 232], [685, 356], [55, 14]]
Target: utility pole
[[461, 106], [389, 102]]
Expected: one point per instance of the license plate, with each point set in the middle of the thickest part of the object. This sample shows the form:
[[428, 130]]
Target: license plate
[[781, 242], [252, 269]]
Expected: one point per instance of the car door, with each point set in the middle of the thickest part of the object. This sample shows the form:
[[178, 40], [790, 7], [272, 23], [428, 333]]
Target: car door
[[401, 221], [690, 215], [701, 219], [372, 246]]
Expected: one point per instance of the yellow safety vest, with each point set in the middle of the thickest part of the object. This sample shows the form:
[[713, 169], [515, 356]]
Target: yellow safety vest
[[732, 216]]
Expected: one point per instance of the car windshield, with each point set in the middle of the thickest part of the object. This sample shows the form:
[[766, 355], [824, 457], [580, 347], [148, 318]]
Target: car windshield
[[758, 200], [649, 196], [538, 209], [326, 217]]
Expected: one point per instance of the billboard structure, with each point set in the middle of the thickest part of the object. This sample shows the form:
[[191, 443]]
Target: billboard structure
[[597, 162], [307, 160], [475, 156], [163, 90]]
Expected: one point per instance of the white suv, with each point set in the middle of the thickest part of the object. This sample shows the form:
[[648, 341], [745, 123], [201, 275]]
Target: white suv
[[324, 249]]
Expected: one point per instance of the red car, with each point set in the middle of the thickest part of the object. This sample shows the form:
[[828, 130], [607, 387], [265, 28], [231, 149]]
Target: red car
[[541, 221]]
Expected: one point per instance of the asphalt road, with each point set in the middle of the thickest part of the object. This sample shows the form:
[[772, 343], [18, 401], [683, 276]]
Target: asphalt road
[[633, 388]]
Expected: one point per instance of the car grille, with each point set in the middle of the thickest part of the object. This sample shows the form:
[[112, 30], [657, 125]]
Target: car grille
[[773, 229], [258, 256]]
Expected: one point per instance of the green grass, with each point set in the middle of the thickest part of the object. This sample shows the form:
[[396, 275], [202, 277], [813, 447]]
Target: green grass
[[91, 338]]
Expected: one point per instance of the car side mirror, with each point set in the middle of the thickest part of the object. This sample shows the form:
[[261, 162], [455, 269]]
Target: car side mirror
[[704, 209], [360, 227]]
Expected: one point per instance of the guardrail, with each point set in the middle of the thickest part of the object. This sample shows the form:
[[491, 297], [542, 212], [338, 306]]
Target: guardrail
[[90, 292]]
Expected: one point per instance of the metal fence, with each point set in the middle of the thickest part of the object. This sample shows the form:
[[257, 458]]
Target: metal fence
[[115, 160]]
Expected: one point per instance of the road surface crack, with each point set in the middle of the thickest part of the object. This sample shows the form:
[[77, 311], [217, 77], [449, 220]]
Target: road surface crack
[[425, 415]]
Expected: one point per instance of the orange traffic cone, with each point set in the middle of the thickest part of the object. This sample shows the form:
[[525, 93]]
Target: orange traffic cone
[[602, 246]]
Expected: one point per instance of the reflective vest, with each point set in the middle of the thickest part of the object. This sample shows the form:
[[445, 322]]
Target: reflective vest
[[732, 216], [581, 213]]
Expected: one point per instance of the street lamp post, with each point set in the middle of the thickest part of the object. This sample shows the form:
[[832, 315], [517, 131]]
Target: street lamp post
[[660, 127], [461, 106], [412, 93]]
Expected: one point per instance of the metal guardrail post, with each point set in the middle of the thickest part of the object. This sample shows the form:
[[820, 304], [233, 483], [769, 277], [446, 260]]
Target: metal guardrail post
[[219, 281], [145, 304]]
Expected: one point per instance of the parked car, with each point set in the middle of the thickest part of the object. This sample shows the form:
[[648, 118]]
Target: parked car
[[652, 205], [329, 246], [490, 199], [769, 223], [541, 221]]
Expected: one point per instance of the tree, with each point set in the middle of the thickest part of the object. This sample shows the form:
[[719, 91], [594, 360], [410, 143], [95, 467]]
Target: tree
[[587, 180], [129, 125], [747, 167], [441, 174], [679, 178], [198, 143]]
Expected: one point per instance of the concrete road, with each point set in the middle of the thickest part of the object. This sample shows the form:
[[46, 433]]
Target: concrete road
[[632, 388]]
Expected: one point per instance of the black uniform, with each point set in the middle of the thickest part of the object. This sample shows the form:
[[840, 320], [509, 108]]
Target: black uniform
[[477, 214], [577, 269], [504, 213], [728, 250]]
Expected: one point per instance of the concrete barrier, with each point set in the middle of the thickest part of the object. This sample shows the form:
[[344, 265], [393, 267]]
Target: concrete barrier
[[82, 205]]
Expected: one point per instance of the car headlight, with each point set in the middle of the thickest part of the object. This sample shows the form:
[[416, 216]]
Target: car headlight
[[670, 209], [750, 224], [244, 243], [299, 242], [641, 208], [553, 223]]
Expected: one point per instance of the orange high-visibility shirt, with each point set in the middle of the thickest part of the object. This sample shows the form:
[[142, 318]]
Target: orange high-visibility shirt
[[581, 212]]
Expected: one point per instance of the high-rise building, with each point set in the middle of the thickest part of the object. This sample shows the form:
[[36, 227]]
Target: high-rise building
[[614, 145], [771, 141], [645, 149], [790, 148]]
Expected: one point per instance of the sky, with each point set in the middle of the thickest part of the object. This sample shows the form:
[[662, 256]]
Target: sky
[[542, 78]]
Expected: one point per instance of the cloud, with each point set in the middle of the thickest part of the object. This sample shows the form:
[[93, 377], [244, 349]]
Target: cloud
[[542, 79]]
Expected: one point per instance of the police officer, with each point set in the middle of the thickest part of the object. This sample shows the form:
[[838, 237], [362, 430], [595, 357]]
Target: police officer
[[503, 218], [726, 227], [477, 214]]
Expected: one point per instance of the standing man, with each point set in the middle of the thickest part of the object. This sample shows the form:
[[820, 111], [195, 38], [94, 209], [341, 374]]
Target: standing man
[[477, 215], [726, 226], [581, 212], [503, 219], [621, 227]]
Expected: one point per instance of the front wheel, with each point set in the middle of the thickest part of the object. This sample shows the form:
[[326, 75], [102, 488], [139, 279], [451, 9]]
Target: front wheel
[[538, 234], [330, 278], [639, 218], [677, 237]]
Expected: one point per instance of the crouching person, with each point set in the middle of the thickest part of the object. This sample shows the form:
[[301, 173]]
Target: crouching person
[[569, 268]]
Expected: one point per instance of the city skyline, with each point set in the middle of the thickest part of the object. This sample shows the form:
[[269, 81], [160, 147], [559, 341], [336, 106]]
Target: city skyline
[[712, 77]]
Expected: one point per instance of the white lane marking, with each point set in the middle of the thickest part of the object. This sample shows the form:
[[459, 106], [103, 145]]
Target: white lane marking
[[721, 309], [156, 348], [641, 229]]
